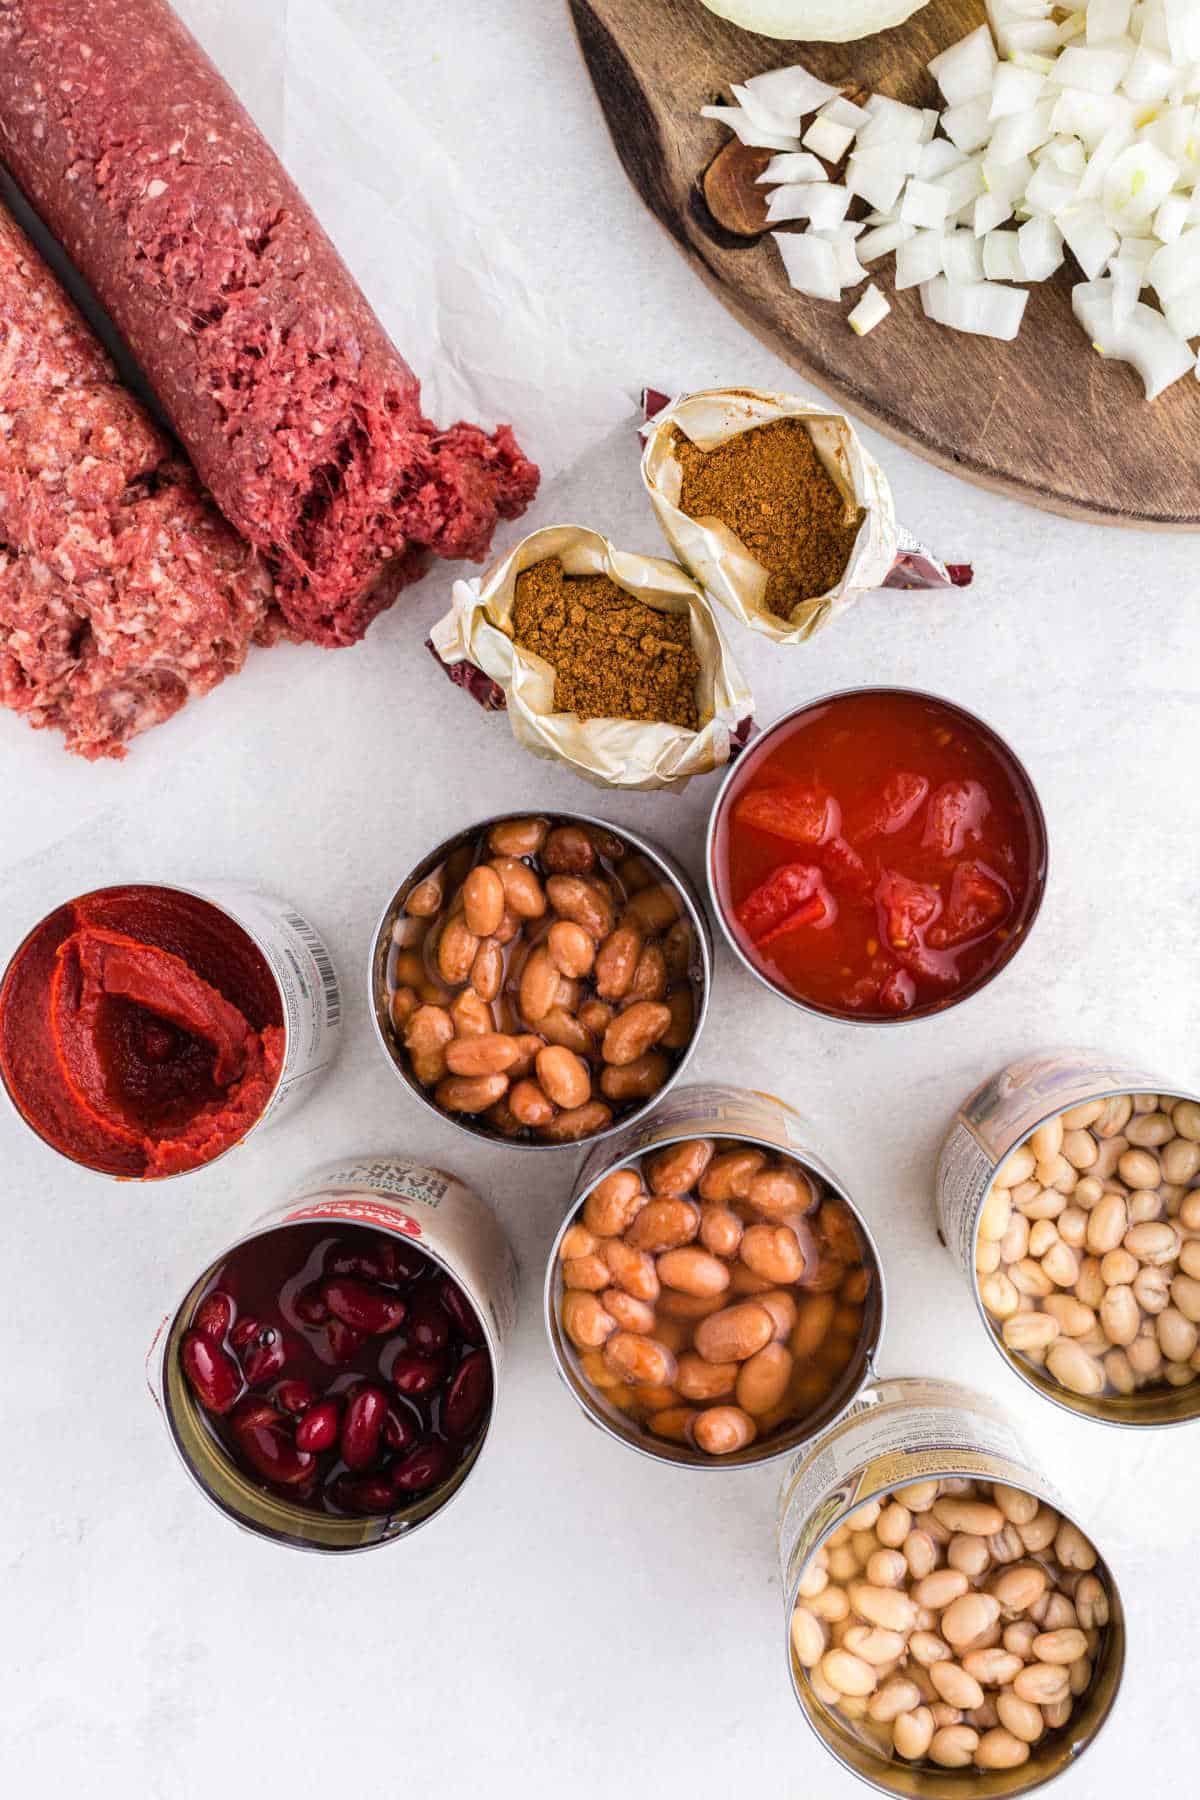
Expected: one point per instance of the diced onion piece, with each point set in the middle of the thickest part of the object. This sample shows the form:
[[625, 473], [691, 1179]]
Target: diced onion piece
[[968, 125], [787, 124], [1136, 185], [1040, 245], [982, 308], [793, 165], [1006, 180], [844, 112], [849, 270], [891, 122], [924, 205], [828, 139], [792, 92], [962, 185], [1171, 218], [1029, 37], [1176, 267], [1118, 137], [966, 69], [1050, 189], [1107, 19], [1127, 281], [1089, 116], [990, 210], [876, 175], [1149, 77], [1015, 90], [810, 263], [744, 128], [1088, 236], [824, 202], [1144, 339], [871, 309], [919, 259], [1097, 69], [962, 258], [936, 158], [884, 240], [1002, 257], [1183, 30], [1183, 315], [1023, 133], [1064, 153]]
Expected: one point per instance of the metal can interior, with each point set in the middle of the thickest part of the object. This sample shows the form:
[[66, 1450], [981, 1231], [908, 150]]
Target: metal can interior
[[267, 1515], [729, 1102], [1144, 1409], [1049, 1758], [1039, 872], [699, 973]]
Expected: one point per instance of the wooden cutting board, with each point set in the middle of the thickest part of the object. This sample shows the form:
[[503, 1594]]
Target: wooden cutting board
[[1044, 418]]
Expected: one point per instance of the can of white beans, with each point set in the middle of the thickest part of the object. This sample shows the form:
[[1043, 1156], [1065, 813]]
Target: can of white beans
[[916, 1511], [1068, 1191], [443, 1236], [830, 1314]]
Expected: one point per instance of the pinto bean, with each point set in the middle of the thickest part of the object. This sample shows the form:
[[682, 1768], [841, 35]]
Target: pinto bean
[[721, 1430], [698, 1379], [729, 1174], [678, 1168], [735, 1333], [492, 1053], [778, 1192], [693, 1270], [577, 1122], [614, 1203], [617, 961], [635, 1031], [633, 1270], [568, 851], [763, 1379], [636, 1080], [638, 1359], [583, 902], [773, 1251], [572, 951], [585, 1320], [681, 1007], [664, 1225], [563, 1076]]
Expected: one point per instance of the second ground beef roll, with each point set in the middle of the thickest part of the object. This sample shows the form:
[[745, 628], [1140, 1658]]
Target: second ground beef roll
[[297, 411]]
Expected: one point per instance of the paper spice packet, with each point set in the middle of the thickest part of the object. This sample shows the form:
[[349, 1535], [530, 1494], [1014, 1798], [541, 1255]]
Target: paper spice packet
[[474, 641], [884, 553]]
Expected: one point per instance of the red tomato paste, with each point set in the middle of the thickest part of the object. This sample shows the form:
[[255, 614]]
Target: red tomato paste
[[878, 855], [141, 1031]]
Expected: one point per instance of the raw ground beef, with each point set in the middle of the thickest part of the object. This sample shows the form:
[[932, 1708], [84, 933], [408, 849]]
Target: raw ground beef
[[122, 589], [299, 415]]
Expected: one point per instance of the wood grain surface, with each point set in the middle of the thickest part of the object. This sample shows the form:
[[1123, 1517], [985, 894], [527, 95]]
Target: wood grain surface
[[1044, 418]]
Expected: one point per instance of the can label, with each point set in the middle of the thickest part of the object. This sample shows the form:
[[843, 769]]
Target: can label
[[299, 959], [1001, 1113], [430, 1206], [898, 1431]]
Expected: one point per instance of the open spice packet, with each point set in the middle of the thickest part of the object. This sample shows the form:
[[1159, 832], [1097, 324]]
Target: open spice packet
[[855, 543], [476, 641]]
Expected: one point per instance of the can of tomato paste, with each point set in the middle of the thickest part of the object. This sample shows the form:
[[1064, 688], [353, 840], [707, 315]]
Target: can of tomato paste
[[990, 1204], [390, 1232], [877, 1482], [831, 1325], [146, 1030]]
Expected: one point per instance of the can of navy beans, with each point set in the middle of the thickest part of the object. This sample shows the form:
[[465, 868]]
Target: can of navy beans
[[1068, 1191], [330, 1380], [877, 855], [541, 980], [714, 1297], [948, 1625], [146, 1030]]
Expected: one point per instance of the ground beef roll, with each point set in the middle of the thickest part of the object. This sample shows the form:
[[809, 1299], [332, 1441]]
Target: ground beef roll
[[122, 589], [297, 412]]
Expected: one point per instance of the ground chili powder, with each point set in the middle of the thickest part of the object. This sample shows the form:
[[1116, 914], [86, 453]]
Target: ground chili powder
[[769, 486], [613, 657]]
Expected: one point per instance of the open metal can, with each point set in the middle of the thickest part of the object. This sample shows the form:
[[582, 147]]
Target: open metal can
[[288, 954], [899, 1432], [420, 1206], [398, 932], [734, 1116], [996, 1120]]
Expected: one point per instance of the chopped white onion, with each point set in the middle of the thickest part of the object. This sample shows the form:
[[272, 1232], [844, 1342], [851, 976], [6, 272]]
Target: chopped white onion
[[828, 139], [791, 92], [876, 175], [982, 307], [1002, 257], [919, 259], [1088, 236], [937, 157], [962, 257], [743, 127], [785, 124], [1015, 90], [871, 309], [1144, 339], [924, 205], [844, 112], [891, 122], [793, 165], [990, 211], [824, 202], [1040, 245], [966, 69], [810, 263], [884, 240]]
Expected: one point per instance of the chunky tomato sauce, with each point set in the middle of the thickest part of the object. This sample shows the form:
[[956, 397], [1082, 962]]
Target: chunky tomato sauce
[[141, 1031], [879, 855]]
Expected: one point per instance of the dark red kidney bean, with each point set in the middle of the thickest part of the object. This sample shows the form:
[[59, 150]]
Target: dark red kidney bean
[[423, 1467], [265, 1357], [265, 1441], [214, 1377], [362, 1424], [293, 1396], [366, 1494], [344, 1342], [399, 1427], [469, 1394], [309, 1305], [416, 1375], [409, 1261], [461, 1310], [428, 1325], [318, 1428], [368, 1309], [355, 1257], [245, 1331], [214, 1316]]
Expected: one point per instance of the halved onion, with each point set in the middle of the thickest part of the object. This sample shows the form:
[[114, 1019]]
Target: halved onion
[[824, 21]]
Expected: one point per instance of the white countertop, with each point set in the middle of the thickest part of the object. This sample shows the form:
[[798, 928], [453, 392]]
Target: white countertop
[[581, 1621]]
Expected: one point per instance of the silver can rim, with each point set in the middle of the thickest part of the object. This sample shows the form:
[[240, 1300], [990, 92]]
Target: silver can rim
[[641, 1444], [260, 1227], [160, 887], [687, 892], [1040, 884]]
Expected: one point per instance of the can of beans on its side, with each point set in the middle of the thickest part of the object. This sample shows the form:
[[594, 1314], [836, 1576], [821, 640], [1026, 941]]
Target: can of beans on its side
[[381, 1235], [1068, 1190], [945, 1617], [714, 1237]]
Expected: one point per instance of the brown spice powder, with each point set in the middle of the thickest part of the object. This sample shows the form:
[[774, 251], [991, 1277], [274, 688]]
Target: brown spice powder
[[613, 657], [769, 486]]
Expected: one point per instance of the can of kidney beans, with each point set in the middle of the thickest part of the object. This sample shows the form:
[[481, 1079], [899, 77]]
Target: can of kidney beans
[[996, 1121], [898, 1434], [453, 1228], [281, 955], [735, 1117]]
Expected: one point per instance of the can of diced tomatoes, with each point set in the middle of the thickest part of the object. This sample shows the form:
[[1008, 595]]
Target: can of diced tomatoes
[[841, 1300], [884, 1480], [433, 1230], [260, 954], [1090, 1330]]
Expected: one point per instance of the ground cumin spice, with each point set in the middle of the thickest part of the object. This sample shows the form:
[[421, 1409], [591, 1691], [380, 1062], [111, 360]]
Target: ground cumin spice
[[613, 657], [772, 490]]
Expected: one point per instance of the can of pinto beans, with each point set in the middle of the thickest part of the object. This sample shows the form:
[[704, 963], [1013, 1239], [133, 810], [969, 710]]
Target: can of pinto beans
[[714, 1238], [375, 1232], [945, 1617], [1068, 1191]]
